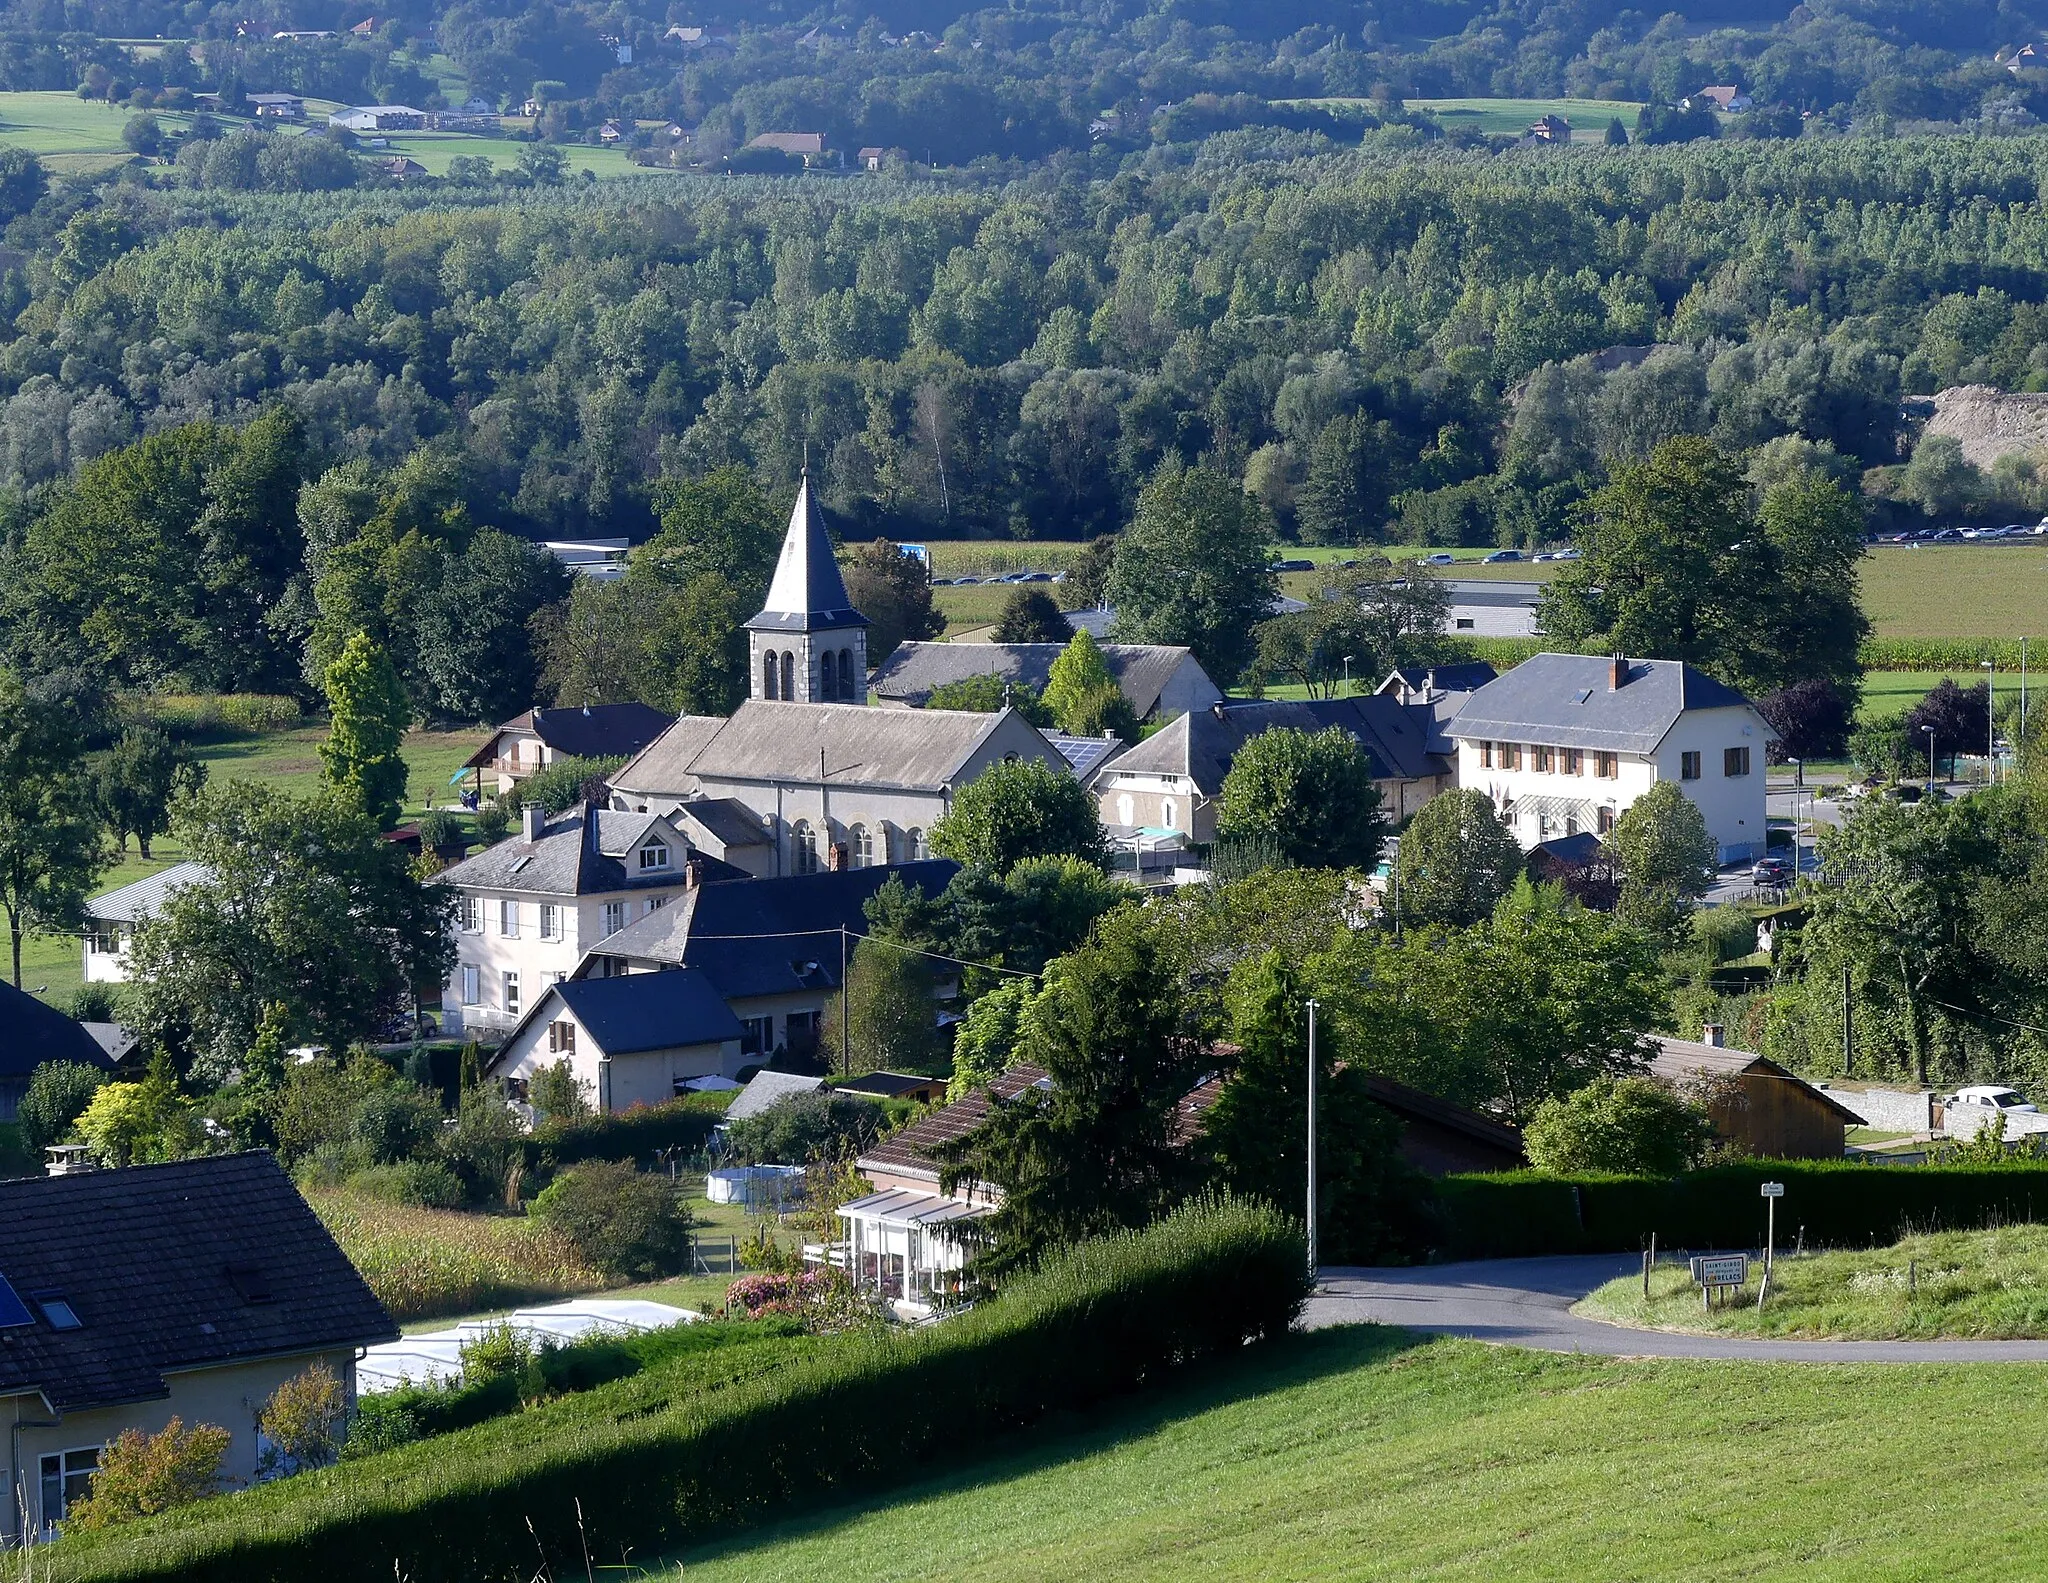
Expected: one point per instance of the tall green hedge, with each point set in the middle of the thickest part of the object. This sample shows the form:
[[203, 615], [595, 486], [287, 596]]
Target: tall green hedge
[[862, 1411], [634, 1134], [1838, 1203]]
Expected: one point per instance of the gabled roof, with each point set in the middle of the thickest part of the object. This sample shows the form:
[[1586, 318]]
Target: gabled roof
[[916, 670], [194, 1264], [583, 852], [1567, 700], [726, 820], [768, 1089], [765, 936], [662, 768], [592, 731], [908, 1153], [913, 749], [1201, 744], [1466, 676], [808, 594], [32, 1033], [1679, 1059], [1412, 1104], [1085, 756], [136, 902], [646, 1011]]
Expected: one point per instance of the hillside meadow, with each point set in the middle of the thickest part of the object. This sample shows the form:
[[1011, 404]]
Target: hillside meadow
[[1367, 1453]]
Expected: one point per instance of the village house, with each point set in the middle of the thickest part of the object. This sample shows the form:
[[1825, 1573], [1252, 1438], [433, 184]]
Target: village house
[[1726, 98], [379, 118], [1564, 743], [638, 1040], [1481, 607], [1430, 684], [1157, 680], [276, 106], [530, 907], [111, 919], [540, 737], [775, 949], [127, 1298], [1166, 792], [1550, 129], [806, 146], [32, 1034]]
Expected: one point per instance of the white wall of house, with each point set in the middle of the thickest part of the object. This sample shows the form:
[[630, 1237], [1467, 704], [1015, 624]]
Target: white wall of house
[[645, 1077], [1732, 805], [475, 998], [1491, 621], [1188, 688], [106, 952], [230, 1396], [1173, 802]]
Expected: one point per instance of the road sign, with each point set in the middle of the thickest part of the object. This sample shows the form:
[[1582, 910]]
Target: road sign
[[1721, 1269], [1774, 1190]]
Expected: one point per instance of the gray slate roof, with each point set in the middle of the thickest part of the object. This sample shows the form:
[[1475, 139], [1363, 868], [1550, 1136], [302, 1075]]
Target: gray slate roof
[[32, 1033], [769, 1089], [1467, 676], [765, 936], [592, 731], [1494, 595], [916, 670], [581, 852], [663, 766], [198, 1263], [728, 819], [921, 749], [136, 902], [1565, 700], [649, 1011], [1202, 743], [807, 594]]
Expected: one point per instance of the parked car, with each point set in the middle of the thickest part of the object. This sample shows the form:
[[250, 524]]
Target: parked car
[[1947, 535], [1436, 560], [1502, 555], [1294, 566], [1988, 1096], [1772, 872]]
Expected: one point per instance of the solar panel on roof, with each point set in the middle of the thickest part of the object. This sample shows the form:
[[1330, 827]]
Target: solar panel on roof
[[13, 1311]]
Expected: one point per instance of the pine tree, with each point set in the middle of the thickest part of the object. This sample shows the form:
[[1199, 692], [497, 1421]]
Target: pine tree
[[370, 714]]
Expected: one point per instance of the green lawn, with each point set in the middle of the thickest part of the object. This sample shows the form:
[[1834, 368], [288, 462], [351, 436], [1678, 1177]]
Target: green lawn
[[290, 760], [1589, 117], [1986, 1284], [1957, 590], [63, 123], [1359, 1453]]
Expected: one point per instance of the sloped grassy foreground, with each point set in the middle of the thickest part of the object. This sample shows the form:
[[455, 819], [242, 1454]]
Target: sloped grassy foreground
[[1987, 1285], [1363, 1453], [676, 1456]]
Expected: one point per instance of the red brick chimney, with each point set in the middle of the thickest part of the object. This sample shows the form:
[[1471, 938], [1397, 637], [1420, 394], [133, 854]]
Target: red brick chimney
[[1617, 675]]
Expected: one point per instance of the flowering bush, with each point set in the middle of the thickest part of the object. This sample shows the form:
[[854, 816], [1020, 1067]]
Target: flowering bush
[[140, 1475], [823, 1299]]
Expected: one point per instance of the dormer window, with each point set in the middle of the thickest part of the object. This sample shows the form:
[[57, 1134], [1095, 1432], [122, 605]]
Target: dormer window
[[654, 857], [58, 1313]]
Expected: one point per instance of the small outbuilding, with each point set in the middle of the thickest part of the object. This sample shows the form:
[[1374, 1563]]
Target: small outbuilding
[[1440, 1138], [31, 1034], [1753, 1101]]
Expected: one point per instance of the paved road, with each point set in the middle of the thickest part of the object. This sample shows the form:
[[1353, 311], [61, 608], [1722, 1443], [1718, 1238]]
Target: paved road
[[1525, 1303]]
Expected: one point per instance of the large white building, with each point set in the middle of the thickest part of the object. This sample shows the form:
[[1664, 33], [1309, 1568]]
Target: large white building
[[1563, 743]]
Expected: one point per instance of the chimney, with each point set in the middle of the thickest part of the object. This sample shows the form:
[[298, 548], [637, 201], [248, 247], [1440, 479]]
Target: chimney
[[1711, 1034], [837, 856], [532, 818], [68, 1159], [693, 872], [1216, 709], [1617, 676]]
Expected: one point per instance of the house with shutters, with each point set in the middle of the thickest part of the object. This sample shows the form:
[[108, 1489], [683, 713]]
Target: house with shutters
[[1564, 743], [639, 1040], [830, 782], [541, 737], [530, 907]]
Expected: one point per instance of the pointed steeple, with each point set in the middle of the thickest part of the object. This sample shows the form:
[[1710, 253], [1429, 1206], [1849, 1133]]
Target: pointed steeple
[[808, 594]]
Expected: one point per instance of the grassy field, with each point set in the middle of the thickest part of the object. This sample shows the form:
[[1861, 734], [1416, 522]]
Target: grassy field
[[1589, 117], [1360, 1453], [1986, 1284], [289, 760], [1957, 591]]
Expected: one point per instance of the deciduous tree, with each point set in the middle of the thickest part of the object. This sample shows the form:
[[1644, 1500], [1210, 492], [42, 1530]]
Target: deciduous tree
[[369, 711], [1457, 860], [1309, 793], [1666, 857], [1193, 568], [1010, 812]]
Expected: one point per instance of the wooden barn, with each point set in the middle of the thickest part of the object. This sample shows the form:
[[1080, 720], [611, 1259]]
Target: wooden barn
[[1754, 1101]]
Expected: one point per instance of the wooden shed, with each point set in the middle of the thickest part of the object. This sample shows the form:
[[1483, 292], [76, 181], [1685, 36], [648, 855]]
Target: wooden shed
[[1439, 1138], [1754, 1101]]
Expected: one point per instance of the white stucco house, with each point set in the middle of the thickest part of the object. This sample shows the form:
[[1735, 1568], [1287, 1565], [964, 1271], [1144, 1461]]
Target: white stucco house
[[629, 1041], [1483, 608], [1563, 743], [112, 918]]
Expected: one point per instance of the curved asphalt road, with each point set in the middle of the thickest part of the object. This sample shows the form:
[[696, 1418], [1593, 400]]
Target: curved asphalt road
[[1526, 1303]]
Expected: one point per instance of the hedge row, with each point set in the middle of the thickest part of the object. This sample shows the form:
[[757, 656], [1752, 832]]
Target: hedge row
[[1940, 654], [862, 1410], [1838, 1203], [635, 1134]]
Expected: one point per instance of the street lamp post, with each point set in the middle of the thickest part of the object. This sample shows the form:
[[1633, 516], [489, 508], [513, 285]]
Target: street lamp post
[[1930, 761], [1347, 676], [1798, 782], [1311, 1140], [1990, 722]]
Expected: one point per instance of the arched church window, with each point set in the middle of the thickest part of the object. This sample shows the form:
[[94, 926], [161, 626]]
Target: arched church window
[[768, 689], [803, 848], [826, 690], [788, 677], [846, 674]]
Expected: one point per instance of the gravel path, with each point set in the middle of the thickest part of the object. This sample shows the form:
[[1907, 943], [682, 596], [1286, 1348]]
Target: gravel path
[[1526, 1303]]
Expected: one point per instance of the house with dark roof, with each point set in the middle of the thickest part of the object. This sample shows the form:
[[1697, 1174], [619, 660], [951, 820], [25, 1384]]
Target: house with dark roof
[[32, 1033], [634, 1040], [1157, 679], [1563, 743], [530, 907], [1421, 684], [127, 1298], [539, 737], [773, 947], [1167, 789], [113, 917], [1440, 1138], [1752, 1101]]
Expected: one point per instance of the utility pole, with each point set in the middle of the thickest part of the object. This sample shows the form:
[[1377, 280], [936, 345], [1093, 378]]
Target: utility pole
[[1848, 1026], [845, 1011], [1311, 1140]]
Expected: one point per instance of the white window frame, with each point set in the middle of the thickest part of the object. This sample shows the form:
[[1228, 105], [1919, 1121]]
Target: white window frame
[[550, 921], [472, 984], [65, 1473], [508, 989], [469, 915], [508, 918], [614, 917], [654, 857]]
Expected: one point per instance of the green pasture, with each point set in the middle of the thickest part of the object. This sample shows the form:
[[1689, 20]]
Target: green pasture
[[1957, 590], [1367, 1453], [63, 123], [1589, 117], [289, 760]]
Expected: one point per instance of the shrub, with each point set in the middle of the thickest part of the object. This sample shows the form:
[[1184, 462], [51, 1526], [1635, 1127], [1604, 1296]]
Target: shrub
[[222, 714], [302, 1423], [632, 1469], [823, 1300], [140, 1475], [58, 1094], [96, 1002], [636, 1134], [495, 1353], [557, 1095], [1629, 1124], [803, 1128], [424, 1184], [627, 1224]]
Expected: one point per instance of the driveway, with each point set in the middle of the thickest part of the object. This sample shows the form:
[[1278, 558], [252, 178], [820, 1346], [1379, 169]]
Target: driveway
[[1525, 1303]]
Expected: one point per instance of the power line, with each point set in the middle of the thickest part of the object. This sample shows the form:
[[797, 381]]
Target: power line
[[871, 939]]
